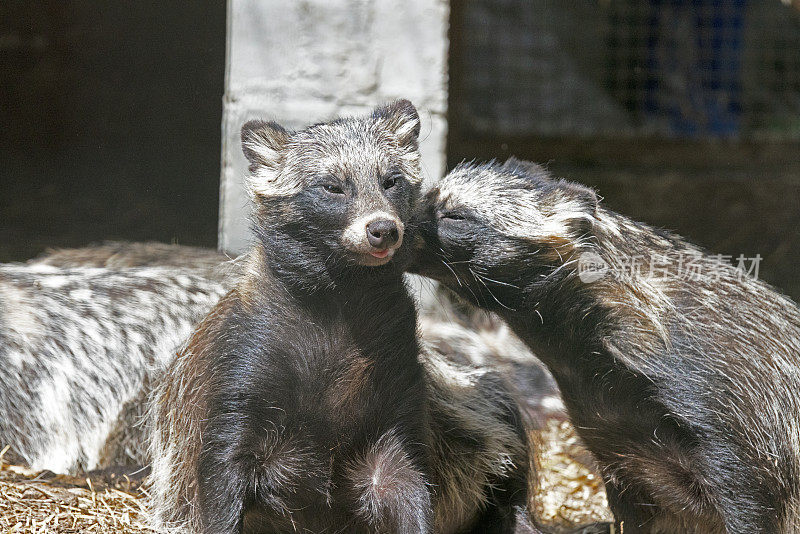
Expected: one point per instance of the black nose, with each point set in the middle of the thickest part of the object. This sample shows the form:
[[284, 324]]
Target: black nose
[[382, 233]]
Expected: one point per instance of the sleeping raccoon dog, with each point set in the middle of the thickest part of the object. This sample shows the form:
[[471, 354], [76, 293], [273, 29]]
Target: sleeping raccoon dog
[[124, 254], [301, 402], [77, 348], [686, 389]]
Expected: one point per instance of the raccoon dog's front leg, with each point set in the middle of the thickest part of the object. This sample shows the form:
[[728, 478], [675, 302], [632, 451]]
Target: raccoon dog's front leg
[[223, 480], [506, 505], [389, 489]]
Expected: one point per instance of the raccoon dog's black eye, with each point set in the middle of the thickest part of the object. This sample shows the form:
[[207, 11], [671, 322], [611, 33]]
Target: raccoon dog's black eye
[[451, 216], [390, 181], [333, 189]]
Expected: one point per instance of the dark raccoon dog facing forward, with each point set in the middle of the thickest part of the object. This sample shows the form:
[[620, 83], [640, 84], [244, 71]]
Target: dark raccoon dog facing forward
[[301, 403], [685, 387]]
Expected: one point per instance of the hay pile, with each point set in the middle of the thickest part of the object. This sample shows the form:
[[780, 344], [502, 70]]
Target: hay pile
[[569, 493], [44, 503]]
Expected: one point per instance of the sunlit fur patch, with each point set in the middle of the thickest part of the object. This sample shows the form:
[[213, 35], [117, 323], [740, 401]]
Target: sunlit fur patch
[[343, 147], [176, 435], [284, 464], [484, 340], [386, 483], [473, 438], [508, 199], [354, 385], [17, 314], [77, 344]]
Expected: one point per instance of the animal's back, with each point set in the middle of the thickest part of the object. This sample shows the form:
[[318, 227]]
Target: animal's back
[[77, 344]]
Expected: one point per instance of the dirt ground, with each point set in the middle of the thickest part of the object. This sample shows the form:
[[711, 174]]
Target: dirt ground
[[569, 493]]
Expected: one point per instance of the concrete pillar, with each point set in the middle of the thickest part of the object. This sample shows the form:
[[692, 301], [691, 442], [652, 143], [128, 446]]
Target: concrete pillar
[[299, 62]]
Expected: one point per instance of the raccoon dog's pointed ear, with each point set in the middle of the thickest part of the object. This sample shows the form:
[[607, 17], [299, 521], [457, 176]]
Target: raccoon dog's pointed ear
[[583, 194], [402, 118], [514, 164], [262, 143], [579, 207]]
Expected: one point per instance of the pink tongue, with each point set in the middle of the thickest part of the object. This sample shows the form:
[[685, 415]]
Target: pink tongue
[[381, 254]]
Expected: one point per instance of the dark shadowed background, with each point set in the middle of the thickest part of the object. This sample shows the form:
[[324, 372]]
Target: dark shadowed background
[[110, 115]]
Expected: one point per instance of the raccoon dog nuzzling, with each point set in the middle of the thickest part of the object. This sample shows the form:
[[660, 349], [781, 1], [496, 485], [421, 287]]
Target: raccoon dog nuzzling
[[686, 388], [301, 403]]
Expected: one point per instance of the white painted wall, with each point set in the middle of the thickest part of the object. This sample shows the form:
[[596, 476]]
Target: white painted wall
[[299, 62]]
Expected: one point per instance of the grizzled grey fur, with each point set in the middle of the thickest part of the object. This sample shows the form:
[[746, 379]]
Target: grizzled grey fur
[[463, 334], [79, 344], [683, 380], [123, 254]]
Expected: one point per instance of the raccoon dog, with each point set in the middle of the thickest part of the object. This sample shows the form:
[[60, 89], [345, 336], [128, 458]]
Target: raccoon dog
[[79, 345], [683, 380], [301, 402]]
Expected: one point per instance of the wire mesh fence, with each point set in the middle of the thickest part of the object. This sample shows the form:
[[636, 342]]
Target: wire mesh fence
[[665, 68]]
